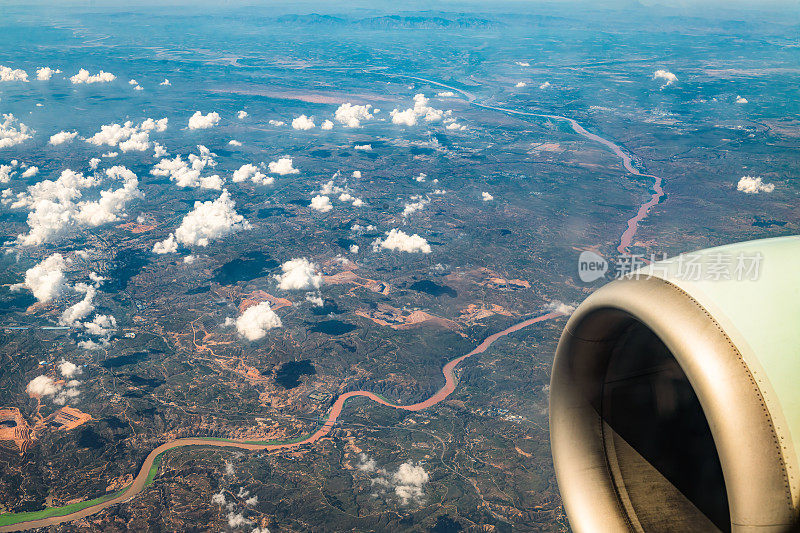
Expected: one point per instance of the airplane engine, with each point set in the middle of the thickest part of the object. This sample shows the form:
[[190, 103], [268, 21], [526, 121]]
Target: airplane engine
[[675, 396]]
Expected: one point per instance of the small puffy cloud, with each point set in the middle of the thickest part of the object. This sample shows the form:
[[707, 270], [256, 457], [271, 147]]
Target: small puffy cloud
[[545, 85], [404, 118], [560, 307], [402, 242], [282, 166], [351, 115], [446, 94], [30, 172], [252, 173], [210, 221], [523, 63], [418, 203], [487, 197], [520, 84], [94, 162], [101, 326], [128, 136], [218, 498], [256, 320], [188, 174], [354, 248], [73, 314], [45, 73], [456, 126], [327, 125], [165, 82], [83, 76], [12, 74], [45, 280], [234, 142], [321, 203], [741, 99], [668, 77], [753, 185], [41, 386], [299, 274], [303, 123], [237, 520], [273, 122], [410, 480], [167, 246], [199, 121], [356, 173], [252, 500], [13, 132], [315, 299], [62, 136], [241, 114], [69, 370], [363, 147], [111, 204], [421, 109]]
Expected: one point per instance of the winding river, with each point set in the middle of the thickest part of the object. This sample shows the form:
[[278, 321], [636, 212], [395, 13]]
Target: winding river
[[144, 477], [49, 517]]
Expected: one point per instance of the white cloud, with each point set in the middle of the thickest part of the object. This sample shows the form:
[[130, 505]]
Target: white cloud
[[128, 136], [45, 73], [327, 125], [418, 203], [158, 150], [456, 126], [237, 520], [101, 326], [282, 166], [69, 370], [241, 114], [73, 314], [354, 248], [167, 246], [299, 274], [409, 481], [351, 115], [315, 299], [753, 185], [402, 242], [560, 307], [234, 142], [273, 122], [407, 117], [363, 147], [545, 85], [256, 320], [668, 77], [523, 63], [83, 76], [218, 498], [356, 173], [13, 132], [520, 84], [486, 196], [165, 82], [210, 221], [5, 175], [94, 162], [187, 174], [199, 121], [446, 94], [42, 386], [30, 172], [321, 203], [111, 204], [15, 74], [421, 109], [62, 136], [45, 280], [303, 123], [252, 173], [252, 500], [741, 99]]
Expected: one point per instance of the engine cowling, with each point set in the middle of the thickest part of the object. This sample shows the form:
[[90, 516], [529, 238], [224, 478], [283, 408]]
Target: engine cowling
[[675, 399]]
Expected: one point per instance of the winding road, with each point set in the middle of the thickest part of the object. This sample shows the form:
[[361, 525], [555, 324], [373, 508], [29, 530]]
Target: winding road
[[143, 478]]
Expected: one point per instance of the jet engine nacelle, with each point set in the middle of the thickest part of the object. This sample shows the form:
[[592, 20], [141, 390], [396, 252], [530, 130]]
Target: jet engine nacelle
[[675, 396]]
